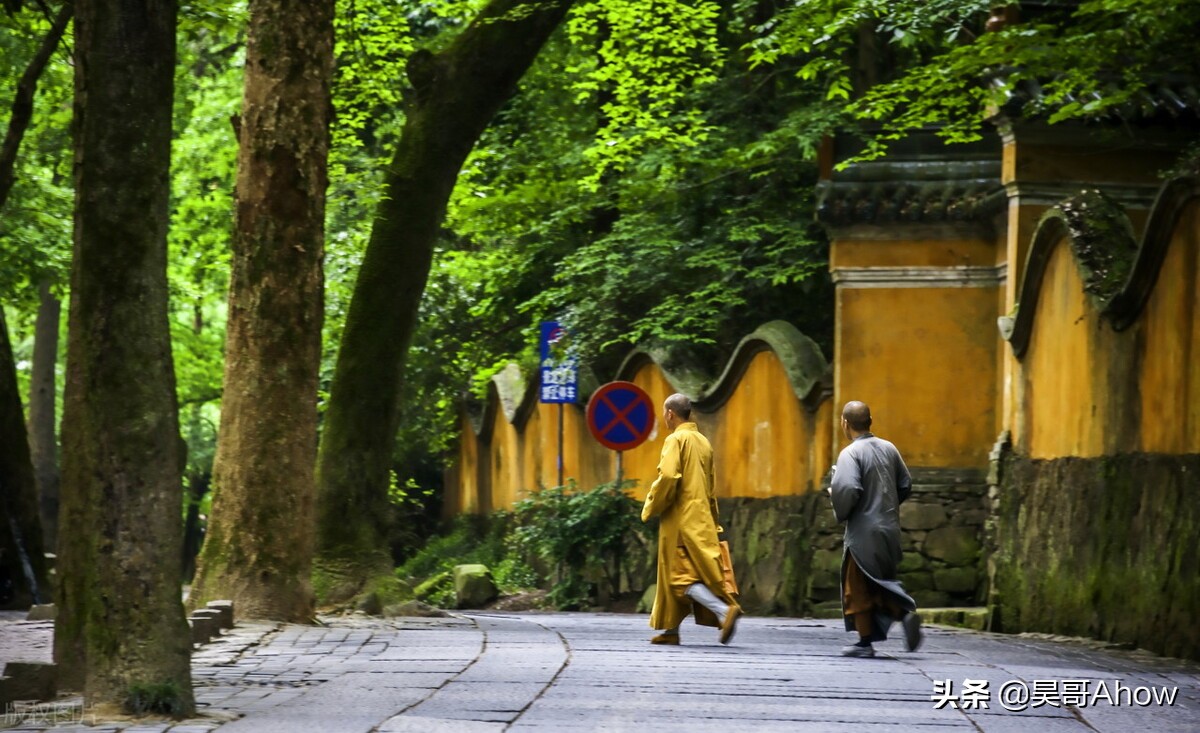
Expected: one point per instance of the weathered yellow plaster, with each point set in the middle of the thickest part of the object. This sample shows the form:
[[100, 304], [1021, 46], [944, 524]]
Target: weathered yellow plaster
[[924, 359], [1170, 375]]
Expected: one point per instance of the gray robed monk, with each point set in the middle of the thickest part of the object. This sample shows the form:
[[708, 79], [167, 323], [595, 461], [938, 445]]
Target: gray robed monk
[[869, 483]]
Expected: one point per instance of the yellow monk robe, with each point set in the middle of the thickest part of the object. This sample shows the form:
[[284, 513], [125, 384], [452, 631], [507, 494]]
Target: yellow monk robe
[[688, 549]]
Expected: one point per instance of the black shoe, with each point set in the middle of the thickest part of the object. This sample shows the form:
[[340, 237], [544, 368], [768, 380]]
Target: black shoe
[[912, 631]]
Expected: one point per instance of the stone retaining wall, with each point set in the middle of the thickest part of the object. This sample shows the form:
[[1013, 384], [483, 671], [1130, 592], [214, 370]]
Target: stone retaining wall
[[787, 550], [1102, 547]]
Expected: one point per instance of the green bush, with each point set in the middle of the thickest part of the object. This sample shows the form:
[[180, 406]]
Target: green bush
[[470, 539], [513, 575], [580, 536], [560, 538]]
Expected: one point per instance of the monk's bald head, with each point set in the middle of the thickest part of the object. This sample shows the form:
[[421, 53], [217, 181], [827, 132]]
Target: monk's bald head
[[857, 415], [680, 405]]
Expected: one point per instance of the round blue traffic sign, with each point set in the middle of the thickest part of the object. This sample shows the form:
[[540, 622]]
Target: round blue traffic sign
[[620, 415]]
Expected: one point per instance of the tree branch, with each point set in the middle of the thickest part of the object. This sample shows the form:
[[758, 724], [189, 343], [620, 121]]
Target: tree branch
[[22, 105]]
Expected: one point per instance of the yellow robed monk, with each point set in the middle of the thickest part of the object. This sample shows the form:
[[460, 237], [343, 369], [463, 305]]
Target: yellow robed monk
[[689, 553]]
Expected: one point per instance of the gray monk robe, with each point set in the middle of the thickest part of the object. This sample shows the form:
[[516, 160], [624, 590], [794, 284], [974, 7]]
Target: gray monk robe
[[870, 482]]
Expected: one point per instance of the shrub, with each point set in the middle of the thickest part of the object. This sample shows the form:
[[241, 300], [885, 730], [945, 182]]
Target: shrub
[[513, 574], [580, 535], [470, 539], [438, 590], [566, 540]]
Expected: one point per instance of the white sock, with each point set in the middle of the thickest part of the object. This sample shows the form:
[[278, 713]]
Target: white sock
[[700, 593]]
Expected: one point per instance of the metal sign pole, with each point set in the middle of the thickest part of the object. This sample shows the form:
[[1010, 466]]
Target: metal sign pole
[[560, 444], [620, 467]]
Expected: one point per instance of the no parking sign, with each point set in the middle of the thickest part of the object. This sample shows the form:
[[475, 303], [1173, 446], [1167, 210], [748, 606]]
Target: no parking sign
[[620, 415]]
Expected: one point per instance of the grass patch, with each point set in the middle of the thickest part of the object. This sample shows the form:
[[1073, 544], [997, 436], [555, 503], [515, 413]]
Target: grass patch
[[154, 698]]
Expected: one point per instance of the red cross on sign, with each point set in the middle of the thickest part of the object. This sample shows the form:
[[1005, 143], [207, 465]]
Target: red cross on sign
[[620, 415]]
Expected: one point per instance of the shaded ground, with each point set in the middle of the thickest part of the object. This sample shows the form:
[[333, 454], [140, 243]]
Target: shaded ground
[[557, 671]]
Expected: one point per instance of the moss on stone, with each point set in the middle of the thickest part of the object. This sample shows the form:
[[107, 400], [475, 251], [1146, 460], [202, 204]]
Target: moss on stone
[[1102, 241], [1101, 547]]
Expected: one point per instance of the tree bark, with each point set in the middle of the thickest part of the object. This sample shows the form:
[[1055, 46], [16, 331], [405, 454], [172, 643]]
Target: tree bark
[[22, 564], [121, 615], [22, 104], [259, 547], [456, 93], [43, 394]]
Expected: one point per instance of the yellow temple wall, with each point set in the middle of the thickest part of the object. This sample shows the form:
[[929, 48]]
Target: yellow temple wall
[[1063, 398], [924, 360], [462, 483], [1086, 388], [919, 250], [641, 463], [916, 340], [1169, 385], [1095, 503], [768, 442]]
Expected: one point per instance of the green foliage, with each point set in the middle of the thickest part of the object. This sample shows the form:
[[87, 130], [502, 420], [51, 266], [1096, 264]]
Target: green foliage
[[372, 40], [414, 513], [36, 224], [208, 83], [649, 59], [513, 574], [561, 538], [162, 698], [695, 221], [933, 65], [470, 539], [438, 590], [579, 535]]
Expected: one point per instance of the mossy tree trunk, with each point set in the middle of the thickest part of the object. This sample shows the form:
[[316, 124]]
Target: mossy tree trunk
[[259, 547], [43, 394], [21, 561], [121, 618], [456, 93]]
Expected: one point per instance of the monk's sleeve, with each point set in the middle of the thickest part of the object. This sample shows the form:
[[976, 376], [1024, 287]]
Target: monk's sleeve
[[712, 501], [903, 479], [846, 486], [662, 491]]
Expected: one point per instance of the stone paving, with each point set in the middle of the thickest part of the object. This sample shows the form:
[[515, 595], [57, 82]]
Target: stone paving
[[481, 672]]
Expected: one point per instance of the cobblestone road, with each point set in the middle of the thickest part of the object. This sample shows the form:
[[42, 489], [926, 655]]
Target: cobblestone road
[[483, 672]]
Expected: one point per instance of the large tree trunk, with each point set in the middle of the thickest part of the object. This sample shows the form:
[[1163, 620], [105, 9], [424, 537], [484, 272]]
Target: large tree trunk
[[22, 564], [42, 399], [120, 607], [457, 92], [259, 547]]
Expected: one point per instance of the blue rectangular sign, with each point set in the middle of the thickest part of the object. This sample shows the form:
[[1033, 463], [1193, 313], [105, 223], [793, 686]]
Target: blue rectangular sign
[[559, 365]]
